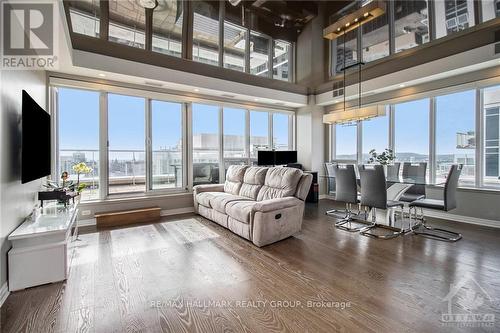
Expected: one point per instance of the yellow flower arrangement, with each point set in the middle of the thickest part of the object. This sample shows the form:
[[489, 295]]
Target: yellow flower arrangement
[[81, 168]]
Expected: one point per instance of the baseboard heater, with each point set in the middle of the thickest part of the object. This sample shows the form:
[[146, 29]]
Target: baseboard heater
[[118, 218]]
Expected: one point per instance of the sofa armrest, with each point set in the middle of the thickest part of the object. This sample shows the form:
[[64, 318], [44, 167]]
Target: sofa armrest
[[276, 204], [208, 188]]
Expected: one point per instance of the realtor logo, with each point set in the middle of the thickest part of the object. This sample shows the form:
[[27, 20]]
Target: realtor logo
[[469, 305], [28, 35]]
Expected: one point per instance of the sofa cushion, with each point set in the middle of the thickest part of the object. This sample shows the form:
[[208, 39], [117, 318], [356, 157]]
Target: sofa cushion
[[219, 202], [252, 182], [241, 210], [203, 198], [280, 182], [234, 178]]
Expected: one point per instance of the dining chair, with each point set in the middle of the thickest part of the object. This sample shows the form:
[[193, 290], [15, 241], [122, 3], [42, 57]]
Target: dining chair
[[393, 170], [448, 203], [329, 171], [416, 172], [346, 191], [374, 196]]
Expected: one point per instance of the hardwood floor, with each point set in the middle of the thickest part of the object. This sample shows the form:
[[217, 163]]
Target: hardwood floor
[[187, 274]]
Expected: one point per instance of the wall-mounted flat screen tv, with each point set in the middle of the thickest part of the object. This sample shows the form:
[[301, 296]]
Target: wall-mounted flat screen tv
[[36, 152]]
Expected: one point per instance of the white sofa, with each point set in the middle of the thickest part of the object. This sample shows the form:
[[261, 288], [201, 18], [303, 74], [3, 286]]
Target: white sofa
[[263, 205]]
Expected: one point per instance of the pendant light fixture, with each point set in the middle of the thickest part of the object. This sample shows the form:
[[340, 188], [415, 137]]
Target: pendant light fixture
[[340, 28]]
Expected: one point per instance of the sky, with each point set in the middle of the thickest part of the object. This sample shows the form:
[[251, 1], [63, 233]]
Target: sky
[[79, 121], [454, 113]]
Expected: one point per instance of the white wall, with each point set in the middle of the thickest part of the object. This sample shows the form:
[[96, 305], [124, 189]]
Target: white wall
[[16, 200]]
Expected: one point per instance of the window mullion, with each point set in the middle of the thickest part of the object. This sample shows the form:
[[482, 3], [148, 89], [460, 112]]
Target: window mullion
[[189, 145], [222, 174], [270, 131], [148, 145], [103, 146], [359, 141], [247, 135], [432, 140], [479, 116]]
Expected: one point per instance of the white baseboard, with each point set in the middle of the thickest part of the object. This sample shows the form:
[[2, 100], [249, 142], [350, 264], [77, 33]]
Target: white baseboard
[[449, 216], [177, 211], [4, 293], [462, 218]]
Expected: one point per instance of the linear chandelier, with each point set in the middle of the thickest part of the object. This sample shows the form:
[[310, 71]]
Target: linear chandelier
[[340, 28]]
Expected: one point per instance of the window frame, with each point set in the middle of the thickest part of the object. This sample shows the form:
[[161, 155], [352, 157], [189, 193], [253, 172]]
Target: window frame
[[479, 113], [187, 153], [476, 19]]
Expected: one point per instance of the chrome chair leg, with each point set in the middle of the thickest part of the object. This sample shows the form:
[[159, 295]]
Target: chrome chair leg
[[346, 223], [436, 233], [390, 235]]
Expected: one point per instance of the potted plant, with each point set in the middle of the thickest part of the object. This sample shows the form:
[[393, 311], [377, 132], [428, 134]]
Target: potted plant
[[385, 158], [81, 168]]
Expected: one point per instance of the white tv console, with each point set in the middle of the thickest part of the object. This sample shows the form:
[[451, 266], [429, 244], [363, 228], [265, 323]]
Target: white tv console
[[41, 250]]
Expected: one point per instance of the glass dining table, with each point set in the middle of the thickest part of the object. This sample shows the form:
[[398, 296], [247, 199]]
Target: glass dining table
[[396, 187]]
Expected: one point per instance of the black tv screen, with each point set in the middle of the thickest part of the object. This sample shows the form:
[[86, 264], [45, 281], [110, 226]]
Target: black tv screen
[[36, 152], [285, 156], [265, 157]]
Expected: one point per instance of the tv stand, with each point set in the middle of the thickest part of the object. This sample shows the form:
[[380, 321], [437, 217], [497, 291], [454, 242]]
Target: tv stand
[[42, 250]]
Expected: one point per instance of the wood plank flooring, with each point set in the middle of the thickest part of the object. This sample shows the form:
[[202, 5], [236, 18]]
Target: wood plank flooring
[[187, 274]]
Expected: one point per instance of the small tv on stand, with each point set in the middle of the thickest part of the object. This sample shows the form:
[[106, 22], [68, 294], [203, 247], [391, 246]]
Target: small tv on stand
[[265, 157], [284, 157]]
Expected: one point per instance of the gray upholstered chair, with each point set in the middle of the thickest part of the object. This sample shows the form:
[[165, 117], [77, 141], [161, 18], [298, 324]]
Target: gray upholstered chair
[[449, 203], [329, 171], [416, 172], [346, 191], [393, 170], [374, 196]]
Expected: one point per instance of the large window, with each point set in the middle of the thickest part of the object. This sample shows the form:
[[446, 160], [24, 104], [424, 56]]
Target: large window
[[375, 135], [78, 119], [346, 142], [127, 21], [259, 132], [85, 17], [412, 131], [455, 135], [453, 15], [166, 142], [206, 32], [235, 151], [375, 39], [259, 54], [205, 144], [167, 28], [411, 23], [491, 124], [281, 60], [234, 46], [281, 127], [126, 147]]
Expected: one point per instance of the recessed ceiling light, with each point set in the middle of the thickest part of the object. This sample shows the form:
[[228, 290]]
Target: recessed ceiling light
[[256, 99], [335, 101], [402, 85], [196, 90], [102, 75]]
